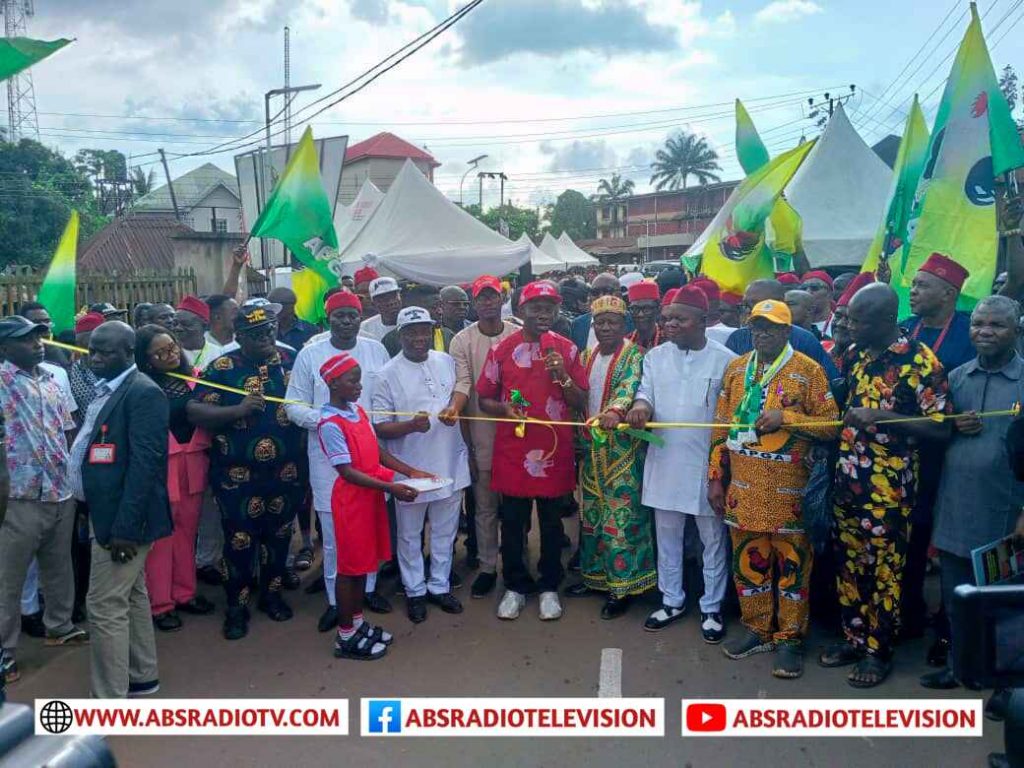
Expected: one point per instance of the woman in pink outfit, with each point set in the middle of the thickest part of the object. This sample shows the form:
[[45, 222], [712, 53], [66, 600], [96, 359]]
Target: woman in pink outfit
[[171, 564]]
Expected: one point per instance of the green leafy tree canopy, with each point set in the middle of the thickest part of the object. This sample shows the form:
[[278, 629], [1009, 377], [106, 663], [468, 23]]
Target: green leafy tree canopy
[[519, 220], [572, 212]]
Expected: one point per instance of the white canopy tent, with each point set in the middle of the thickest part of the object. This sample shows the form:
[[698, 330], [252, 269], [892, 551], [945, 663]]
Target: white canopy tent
[[577, 256], [840, 192], [349, 220], [540, 262], [419, 234]]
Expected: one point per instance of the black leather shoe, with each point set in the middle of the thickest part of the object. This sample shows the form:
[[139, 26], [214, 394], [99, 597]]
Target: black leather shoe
[[275, 607], [614, 607], [236, 624], [168, 622], [447, 602], [375, 603], [483, 585], [942, 680], [32, 624], [416, 608], [328, 619], [662, 617], [197, 606], [291, 579], [578, 590]]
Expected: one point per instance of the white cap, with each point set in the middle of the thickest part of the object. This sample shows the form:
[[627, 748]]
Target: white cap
[[413, 315], [382, 285], [630, 279]]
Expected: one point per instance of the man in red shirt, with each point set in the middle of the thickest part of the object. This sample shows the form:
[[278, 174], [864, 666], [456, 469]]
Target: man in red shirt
[[538, 465]]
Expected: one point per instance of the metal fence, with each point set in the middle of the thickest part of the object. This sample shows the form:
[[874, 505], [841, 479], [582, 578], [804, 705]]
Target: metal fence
[[123, 291]]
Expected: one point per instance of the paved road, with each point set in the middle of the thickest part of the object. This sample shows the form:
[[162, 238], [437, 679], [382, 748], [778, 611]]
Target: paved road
[[476, 655]]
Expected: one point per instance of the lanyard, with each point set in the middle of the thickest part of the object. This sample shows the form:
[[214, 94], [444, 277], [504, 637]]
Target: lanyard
[[942, 335]]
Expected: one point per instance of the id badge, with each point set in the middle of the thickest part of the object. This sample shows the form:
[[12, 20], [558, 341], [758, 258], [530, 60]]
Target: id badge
[[102, 453]]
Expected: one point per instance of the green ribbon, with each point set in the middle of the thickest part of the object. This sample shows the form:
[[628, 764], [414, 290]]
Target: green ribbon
[[600, 436]]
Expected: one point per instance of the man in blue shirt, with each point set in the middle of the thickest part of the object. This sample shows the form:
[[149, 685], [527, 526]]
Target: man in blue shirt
[[290, 329], [802, 341]]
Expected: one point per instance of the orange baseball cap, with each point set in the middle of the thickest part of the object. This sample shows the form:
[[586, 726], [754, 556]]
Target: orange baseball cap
[[773, 311]]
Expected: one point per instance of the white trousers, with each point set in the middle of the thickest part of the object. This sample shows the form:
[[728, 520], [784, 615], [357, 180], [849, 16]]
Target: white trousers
[[671, 526], [30, 590], [330, 549], [444, 527]]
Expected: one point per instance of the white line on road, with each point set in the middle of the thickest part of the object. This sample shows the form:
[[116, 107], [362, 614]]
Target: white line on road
[[609, 684]]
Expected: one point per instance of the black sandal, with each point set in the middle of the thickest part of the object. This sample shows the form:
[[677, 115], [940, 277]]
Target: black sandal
[[360, 646], [304, 559], [876, 669], [839, 655], [377, 633]]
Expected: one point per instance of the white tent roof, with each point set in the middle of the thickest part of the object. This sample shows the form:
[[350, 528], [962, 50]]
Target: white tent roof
[[576, 255], [840, 192], [419, 234], [349, 220], [540, 262]]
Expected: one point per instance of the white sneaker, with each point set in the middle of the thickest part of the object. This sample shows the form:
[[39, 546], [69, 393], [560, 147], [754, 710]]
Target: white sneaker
[[511, 605], [550, 606]]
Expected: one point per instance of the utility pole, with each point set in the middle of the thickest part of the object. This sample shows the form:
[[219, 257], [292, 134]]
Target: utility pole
[[22, 118], [287, 85], [492, 175], [170, 184], [472, 167], [816, 110]]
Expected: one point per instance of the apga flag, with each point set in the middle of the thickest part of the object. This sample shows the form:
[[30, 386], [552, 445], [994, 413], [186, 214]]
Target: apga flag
[[57, 293], [299, 214], [733, 246], [18, 53], [974, 140], [309, 289], [783, 233], [891, 239]]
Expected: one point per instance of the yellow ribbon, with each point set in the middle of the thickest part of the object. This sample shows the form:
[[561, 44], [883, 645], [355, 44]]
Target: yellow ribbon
[[936, 417]]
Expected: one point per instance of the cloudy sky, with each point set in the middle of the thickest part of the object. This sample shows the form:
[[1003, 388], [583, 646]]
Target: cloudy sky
[[558, 93]]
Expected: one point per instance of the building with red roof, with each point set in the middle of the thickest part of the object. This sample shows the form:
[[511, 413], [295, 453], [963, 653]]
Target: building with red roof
[[379, 159]]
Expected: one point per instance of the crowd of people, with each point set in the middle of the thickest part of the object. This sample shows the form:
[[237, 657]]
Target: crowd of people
[[811, 450]]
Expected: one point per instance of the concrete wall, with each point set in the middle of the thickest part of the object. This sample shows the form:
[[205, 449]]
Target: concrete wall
[[209, 254], [220, 202]]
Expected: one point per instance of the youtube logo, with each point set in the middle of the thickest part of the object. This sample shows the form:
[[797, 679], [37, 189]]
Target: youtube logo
[[705, 717]]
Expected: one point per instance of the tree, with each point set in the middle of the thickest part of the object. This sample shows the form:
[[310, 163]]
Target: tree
[[38, 189], [572, 213], [142, 182], [684, 155], [1010, 86], [519, 220], [612, 192]]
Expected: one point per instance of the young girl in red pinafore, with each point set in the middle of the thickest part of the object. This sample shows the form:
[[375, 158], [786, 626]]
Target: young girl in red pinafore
[[365, 473]]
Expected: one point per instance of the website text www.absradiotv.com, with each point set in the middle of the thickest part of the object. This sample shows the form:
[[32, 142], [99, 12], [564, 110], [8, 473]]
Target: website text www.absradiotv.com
[[576, 717]]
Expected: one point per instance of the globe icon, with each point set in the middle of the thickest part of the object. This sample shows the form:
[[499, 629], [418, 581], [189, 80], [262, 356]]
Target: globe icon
[[55, 716]]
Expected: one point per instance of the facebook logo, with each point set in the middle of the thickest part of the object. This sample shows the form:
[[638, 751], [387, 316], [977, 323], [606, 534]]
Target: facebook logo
[[384, 715]]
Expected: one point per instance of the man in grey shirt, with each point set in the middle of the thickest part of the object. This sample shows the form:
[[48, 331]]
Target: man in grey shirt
[[979, 498]]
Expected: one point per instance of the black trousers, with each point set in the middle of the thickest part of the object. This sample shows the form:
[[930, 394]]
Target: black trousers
[[913, 608], [515, 515]]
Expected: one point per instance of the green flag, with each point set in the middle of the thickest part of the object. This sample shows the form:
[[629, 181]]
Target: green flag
[[18, 53], [784, 228], [298, 213], [57, 293], [891, 237], [973, 140], [732, 246]]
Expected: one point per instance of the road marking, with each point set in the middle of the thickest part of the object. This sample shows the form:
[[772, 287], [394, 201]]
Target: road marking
[[609, 682]]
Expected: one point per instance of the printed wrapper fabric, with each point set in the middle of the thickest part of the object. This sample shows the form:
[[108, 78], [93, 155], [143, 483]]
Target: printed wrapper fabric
[[616, 551]]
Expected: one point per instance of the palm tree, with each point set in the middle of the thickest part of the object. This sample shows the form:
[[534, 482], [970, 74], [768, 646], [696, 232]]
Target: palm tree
[[612, 192], [684, 155], [142, 182]]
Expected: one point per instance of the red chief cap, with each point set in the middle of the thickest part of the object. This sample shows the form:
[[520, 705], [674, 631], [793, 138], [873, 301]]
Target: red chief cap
[[710, 288], [484, 282], [365, 275], [196, 306], [732, 299], [788, 278], [691, 295], [643, 291], [946, 269], [864, 278], [539, 289], [669, 295], [341, 299], [90, 321], [337, 366], [818, 274]]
